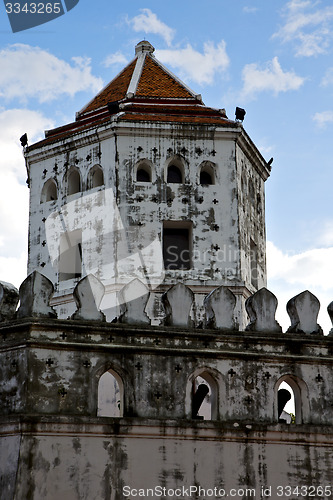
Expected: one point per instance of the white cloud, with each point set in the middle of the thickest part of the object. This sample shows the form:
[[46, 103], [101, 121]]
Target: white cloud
[[13, 269], [196, 66], [323, 118], [310, 29], [266, 149], [289, 275], [148, 22], [13, 124], [309, 268], [200, 67], [14, 193], [250, 10], [271, 78], [116, 58], [33, 72], [328, 78], [326, 236]]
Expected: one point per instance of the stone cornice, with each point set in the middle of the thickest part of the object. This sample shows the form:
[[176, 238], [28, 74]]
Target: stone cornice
[[179, 429], [172, 341]]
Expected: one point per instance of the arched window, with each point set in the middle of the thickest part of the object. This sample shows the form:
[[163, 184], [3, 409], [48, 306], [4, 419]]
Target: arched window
[[291, 400], [174, 175], [110, 395], [95, 177], [207, 174], [286, 404], [205, 178], [73, 182], [143, 173], [49, 191], [204, 397]]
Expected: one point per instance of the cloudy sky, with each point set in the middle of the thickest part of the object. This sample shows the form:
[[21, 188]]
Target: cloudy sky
[[275, 59]]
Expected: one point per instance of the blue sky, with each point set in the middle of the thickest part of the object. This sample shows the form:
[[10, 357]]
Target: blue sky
[[272, 58]]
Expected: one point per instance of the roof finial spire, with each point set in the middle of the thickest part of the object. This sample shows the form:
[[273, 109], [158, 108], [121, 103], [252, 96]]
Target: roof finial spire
[[144, 46]]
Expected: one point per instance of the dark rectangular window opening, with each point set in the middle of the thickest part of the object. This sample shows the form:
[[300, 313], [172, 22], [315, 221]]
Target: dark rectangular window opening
[[70, 256], [177, 245]]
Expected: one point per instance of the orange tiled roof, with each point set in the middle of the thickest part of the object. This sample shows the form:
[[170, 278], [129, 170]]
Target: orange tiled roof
[[143, 91], [115, 91], [155, 82]]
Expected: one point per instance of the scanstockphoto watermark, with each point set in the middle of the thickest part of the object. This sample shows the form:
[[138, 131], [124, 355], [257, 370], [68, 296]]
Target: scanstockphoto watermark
[[24, 15], [188, 492], [99, 231], [133, 251], [88, 236], [182, 492], [224, 254], [224, 260]]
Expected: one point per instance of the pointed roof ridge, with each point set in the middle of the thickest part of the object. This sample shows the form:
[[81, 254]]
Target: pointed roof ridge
[[141, 57], [144, 48]]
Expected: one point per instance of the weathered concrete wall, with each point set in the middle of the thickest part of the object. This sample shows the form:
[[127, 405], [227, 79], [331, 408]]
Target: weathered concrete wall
[[251, 211], [10, 448], [102, 459], [55, 442], [53, 367]]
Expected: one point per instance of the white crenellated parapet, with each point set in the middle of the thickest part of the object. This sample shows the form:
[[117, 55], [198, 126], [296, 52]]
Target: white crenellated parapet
[[177, 302], [36, 291], [35, 294], [133, 299], [88, 295], [303, 310], [219, 309], [9, 297], [261, 308]]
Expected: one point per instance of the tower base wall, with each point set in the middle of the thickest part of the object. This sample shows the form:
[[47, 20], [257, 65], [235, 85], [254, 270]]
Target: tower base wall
[[52, 458]]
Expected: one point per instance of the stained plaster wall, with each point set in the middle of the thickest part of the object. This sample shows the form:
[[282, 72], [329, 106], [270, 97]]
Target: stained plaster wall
[[122, 222]]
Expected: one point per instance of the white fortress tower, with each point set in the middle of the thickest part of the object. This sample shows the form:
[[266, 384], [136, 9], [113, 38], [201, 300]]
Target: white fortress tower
[[152, 189], [148, 183]]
